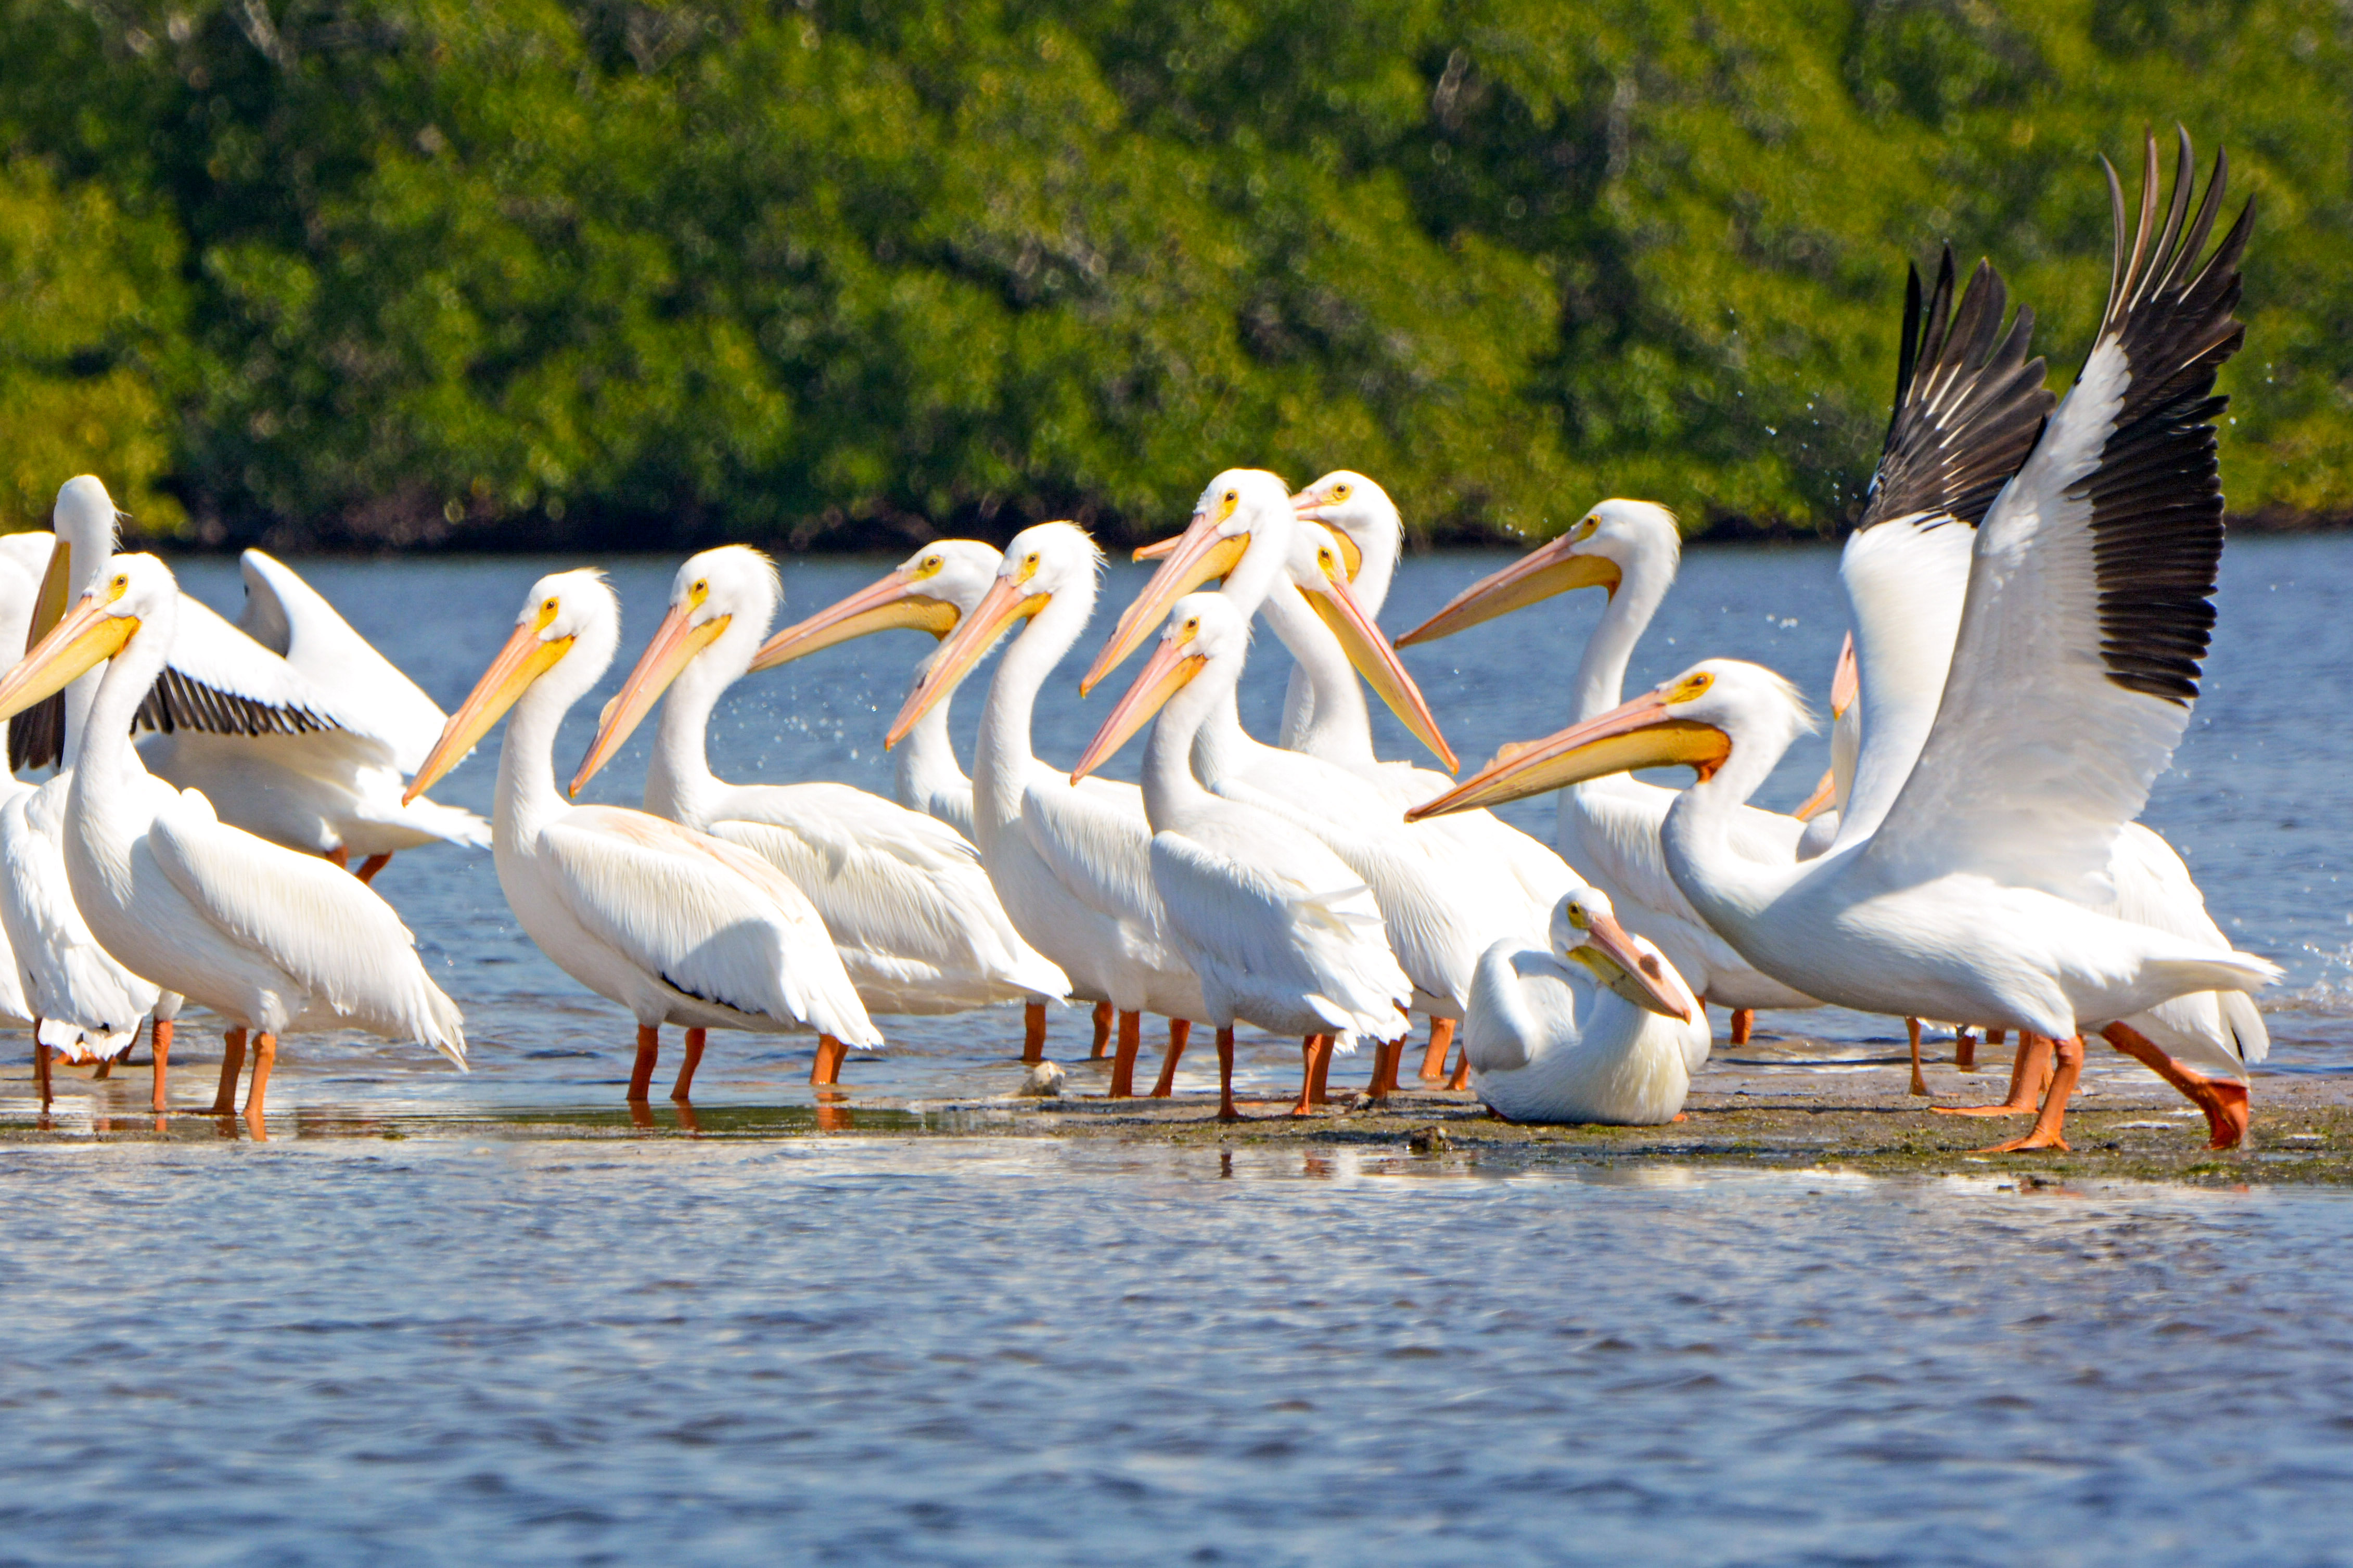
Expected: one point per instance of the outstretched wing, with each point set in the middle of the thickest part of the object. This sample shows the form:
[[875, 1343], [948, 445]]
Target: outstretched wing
[[2089, 605], [287, 617]]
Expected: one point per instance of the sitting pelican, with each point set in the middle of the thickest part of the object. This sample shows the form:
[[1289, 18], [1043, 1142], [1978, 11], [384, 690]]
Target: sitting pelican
[[677, 926], [269, 939], [902, 895], [1596, 1028], [1281, 932], [1978, 894]]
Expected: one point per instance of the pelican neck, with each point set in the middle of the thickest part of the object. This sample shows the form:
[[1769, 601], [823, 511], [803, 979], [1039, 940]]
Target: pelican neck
[[1002, 761], [1172, 795], [1600, 682], [1729, 889], [925, 768], [106, 756], [1333, 724], [679, 784], [528, 796]]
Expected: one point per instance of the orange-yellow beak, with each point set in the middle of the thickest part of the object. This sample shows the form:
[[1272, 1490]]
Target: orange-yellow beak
[[1642, 733], [526, 657], [1156, 549], [896, 601], [1634, 970], [1377, 661], [1846, 680], [1308, 507], [1163, 675], [1536, 576], [676, 643], [1008, 600], [77, 643], [1200, 554], [1825, 796]]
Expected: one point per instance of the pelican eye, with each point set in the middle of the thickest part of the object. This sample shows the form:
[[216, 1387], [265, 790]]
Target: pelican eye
[[928, 565], [1691, 687], [1339, 492], [1579, 918], [1584, 531], [548, 608], [121, 582]]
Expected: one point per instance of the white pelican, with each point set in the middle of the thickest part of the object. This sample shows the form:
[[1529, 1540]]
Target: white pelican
[[677, 926], [1447, 895], [933, 590], [1609, 828], [1071, 863], [1281, 932], [1595, 1027], [269, 939], [902, 895], [289, 723], [2085, 625], [1960, 428]]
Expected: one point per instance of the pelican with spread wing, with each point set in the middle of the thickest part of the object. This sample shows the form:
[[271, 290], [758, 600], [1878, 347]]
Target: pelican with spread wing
[[271, 940], [1977, 895]]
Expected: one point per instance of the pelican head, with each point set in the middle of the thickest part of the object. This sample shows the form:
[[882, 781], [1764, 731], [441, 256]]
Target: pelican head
[[1202, 629], [1041, 561], [1615, 538], [1585, 930], [933, 590], [1693, 721], [84, 525], [570, 619], [133, 590], [1319, 568], [1238, 504], [1358, 513], [734, 587]]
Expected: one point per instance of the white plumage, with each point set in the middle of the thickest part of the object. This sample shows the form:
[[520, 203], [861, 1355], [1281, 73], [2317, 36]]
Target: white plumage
[[902, 895]]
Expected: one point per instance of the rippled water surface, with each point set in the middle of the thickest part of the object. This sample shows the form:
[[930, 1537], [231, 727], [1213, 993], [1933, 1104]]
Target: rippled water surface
[[464, 1346]]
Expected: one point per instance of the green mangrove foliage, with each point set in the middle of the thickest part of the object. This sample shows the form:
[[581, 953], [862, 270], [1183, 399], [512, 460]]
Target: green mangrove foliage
[[843, 272]]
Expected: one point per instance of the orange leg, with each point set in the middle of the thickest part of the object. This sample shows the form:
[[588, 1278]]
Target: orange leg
[[641, 1077], [1919, 1083], [2050, 1128], [1180, 1030], [1996, 1036], [41, 1067], [694, 1040], [1442, 1040], [1385, 1068], [1461, 1078], [105, 1069], [339, 858], [2223, 1102], [1101, 1045], [1123, 1065], [827, 1068], [1965, 1051], [1033, 1034], [1312, 1048], [1226, 1111], [257, 1091], [232, 1063], [159, 1045], [1744, 1019], [2027, 1074], [371, 866], [1323, 1071]]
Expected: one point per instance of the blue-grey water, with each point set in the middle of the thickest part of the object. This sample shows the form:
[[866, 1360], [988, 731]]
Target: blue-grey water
[[382, 1337]]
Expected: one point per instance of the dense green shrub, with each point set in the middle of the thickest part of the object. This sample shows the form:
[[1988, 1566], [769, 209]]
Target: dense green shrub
[[395, 272]]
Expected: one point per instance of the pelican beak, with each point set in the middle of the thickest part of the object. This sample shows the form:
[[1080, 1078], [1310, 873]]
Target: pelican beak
[[1008, 600], [895, 601], [1377, 662], [76, 645], [1639, 734], [1825, 796], [1539, 574], [1635, 969], [1163, 675], [1845, 681], [57, 586], [1200, 554], [676, 643], [1156, 549], [526, 657]]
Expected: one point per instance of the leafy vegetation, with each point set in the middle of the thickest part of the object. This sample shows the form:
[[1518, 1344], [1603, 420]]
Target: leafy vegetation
[[406, 272]]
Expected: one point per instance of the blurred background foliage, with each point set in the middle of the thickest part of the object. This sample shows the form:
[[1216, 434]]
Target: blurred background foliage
[[844, 272]]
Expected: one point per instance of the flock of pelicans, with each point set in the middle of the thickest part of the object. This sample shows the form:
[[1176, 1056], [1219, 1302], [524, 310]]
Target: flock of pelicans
[[2030, 590]]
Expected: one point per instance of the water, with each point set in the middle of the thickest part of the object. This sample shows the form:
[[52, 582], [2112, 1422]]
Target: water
[[418, 1326]]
